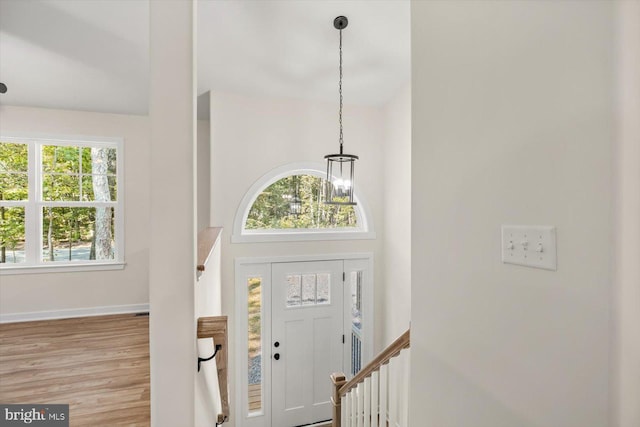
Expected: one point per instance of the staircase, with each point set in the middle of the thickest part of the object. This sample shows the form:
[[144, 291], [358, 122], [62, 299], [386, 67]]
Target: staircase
[[377, 396]]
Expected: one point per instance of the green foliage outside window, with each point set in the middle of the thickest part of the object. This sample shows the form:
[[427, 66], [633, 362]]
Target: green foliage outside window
[[13, 171], [271, 209], [68, 174], [14, 186]]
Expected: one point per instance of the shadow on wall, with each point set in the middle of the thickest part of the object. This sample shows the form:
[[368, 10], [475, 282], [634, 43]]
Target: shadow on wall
[[462, 392]]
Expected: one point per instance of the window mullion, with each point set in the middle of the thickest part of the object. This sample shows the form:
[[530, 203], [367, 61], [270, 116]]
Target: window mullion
[[33, 238], [80, 171], [119, 231], [73, 204]]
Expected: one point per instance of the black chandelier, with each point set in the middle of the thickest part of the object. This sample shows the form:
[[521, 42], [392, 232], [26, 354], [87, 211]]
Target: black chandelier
[[340, 167]]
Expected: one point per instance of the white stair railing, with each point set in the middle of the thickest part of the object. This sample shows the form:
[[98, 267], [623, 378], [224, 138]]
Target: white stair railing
[[378, 395]]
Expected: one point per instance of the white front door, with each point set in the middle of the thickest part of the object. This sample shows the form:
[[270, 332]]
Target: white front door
[[306, 339]]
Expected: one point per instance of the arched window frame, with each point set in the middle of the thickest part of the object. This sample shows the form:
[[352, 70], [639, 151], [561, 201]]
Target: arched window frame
[[364, 230]]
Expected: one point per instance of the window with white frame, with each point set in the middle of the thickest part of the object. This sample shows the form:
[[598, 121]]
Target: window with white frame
[[295, 202], [60, 202], [286, 204]]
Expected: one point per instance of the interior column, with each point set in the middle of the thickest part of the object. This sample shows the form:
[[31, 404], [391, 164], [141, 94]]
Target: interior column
[[172, 217]]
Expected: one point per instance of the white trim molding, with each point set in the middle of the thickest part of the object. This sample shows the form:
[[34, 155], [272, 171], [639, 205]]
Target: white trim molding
[[10, 269], [247, 267], [365, 229], [74, 312]]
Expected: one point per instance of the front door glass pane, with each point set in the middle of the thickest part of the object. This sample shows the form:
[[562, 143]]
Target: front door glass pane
[[293, 290], [308, 289], [323, 288]]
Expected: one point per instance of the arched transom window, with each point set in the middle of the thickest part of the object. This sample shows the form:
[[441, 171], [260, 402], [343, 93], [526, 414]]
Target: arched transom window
[[294, 202], [286, 204]]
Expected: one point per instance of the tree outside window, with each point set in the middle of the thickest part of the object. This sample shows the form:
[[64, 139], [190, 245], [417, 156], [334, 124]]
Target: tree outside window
[[271, 209], [72, 213]]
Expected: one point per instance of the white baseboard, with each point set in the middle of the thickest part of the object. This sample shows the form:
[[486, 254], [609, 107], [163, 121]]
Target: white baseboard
[[75, 312]]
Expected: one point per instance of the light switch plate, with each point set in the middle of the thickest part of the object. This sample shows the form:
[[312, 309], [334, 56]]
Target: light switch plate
[[532, 246]]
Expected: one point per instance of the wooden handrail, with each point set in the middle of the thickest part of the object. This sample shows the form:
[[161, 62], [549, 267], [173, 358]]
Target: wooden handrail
[[216, 327], [404, 341], [207, 239]]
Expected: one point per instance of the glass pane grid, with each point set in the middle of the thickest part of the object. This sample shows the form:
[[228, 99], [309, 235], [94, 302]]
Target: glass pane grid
[[78, 234], [79, 187], [294, 293], [308, 289], [73, 173], [12, 235], [64, 159], [323, 288], [14, 157], [14, 186], [356, 299], [76, 216], [355, 279]]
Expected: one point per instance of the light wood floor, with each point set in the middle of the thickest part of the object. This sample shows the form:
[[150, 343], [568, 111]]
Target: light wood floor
[[97, 365], [255, 397]]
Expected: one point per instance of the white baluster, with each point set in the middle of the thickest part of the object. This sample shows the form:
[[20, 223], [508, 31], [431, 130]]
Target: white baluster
[[354, 407], [344, 403], [384, 394], [367, 403], [393, 392], [400, 374], [375, 398], [404, 404], [361, 405], [346, 410]]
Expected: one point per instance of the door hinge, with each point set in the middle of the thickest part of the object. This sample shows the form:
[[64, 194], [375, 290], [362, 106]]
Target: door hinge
[[344, 277], [342, 338]]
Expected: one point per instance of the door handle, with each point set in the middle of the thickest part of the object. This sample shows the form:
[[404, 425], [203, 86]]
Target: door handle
[[276, 356]]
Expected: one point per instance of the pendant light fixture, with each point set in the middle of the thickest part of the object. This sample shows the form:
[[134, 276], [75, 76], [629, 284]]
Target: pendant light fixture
[[340, 167]]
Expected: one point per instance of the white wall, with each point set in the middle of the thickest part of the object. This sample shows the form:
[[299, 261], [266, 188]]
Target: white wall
[[512, 124], [396, 255], [251, 136], [204, 174], [27, 293], [626, 361]]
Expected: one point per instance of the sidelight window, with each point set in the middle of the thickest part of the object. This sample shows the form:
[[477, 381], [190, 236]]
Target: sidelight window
[[356, 321], [254, 334]]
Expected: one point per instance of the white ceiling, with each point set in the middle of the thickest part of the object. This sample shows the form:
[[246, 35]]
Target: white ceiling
[[93, 54], [79, 55]]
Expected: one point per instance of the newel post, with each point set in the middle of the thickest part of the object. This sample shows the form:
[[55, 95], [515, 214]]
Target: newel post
[[338, 381]]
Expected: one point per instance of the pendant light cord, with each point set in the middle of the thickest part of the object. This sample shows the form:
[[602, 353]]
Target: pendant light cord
[[340, 91]]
